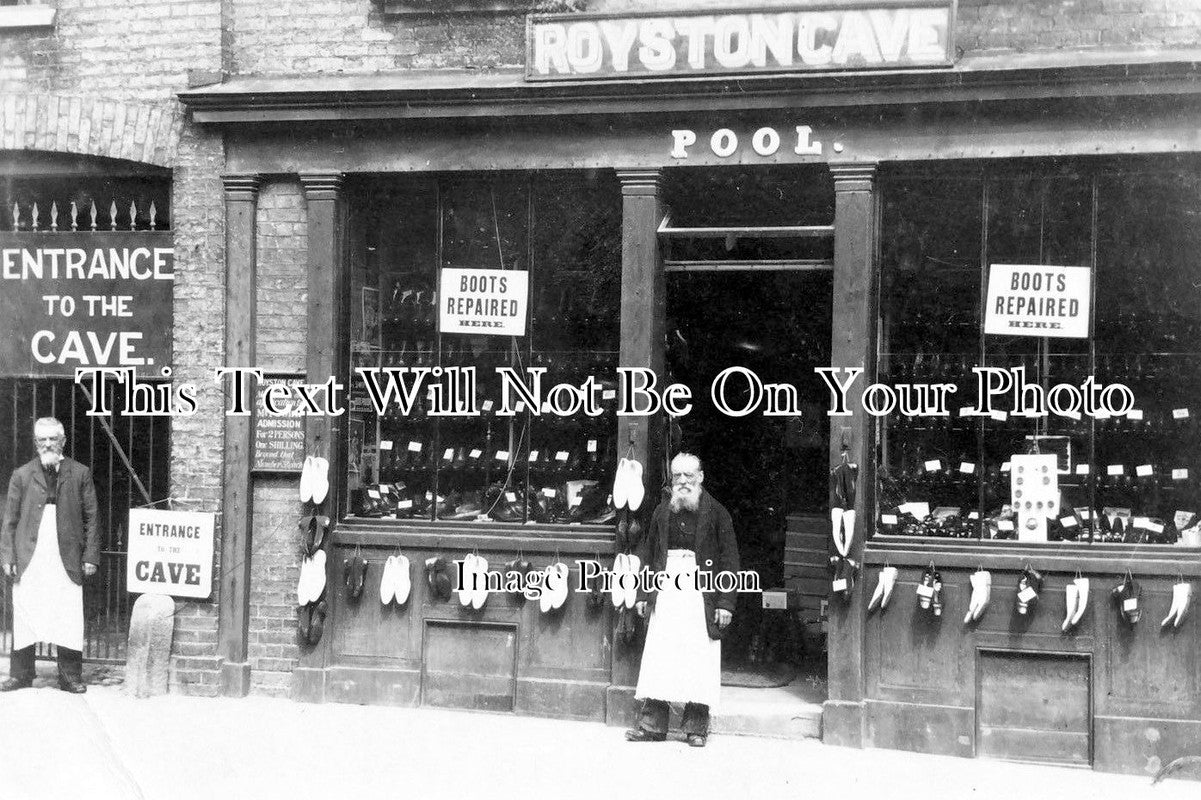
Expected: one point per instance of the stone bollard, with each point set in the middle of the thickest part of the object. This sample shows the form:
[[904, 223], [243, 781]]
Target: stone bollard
[[151, 627]]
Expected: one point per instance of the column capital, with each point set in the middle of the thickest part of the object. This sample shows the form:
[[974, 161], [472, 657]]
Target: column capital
[[322, 185], [854, 177], [241, 187], [644, 182]]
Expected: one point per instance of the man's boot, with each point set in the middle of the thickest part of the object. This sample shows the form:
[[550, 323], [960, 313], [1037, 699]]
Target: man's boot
[[20, 669], [70, 671], [696, 724], [652, 722]]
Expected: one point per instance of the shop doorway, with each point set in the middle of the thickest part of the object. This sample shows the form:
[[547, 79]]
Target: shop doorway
[[749, 258]]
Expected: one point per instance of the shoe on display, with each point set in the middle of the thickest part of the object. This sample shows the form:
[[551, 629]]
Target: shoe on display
[[1127, 595], [562, 585], [438, 578], [387, 582], [620, 487], [925, 589], [354, 575], [635, 490], [304, 619], [317, 622], [306, 480], [981, 582], [402, 579], [320, 477], [545, 599], [1082, 586], [617, 595], [1029, 585], [466, 569], [633, 568], [1071, 600], [888, 575], [480, 594]]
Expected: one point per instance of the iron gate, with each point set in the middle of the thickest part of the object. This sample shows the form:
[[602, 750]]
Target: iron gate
[[145, 442]]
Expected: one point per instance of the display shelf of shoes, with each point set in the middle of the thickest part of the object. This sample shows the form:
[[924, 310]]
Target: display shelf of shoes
[[1128, 479], [496, 468]]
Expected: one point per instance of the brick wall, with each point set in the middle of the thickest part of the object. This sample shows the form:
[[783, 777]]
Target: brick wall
[[282, 271], [280, 345], [93, 84], [323, 36], [275, 566]]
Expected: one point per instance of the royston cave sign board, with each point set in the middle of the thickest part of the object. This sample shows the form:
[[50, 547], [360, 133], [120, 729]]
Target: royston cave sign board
[[890, 35], [278, 439], [85, 299]]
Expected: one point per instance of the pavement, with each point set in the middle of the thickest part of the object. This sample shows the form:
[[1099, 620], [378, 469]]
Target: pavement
[[104, 744]]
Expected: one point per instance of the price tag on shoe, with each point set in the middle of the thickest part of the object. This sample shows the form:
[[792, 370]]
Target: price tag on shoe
[[510, 497], [1143, 470], [1115, 469], [548, 492], [1027, 594], [1180, 474], [1068, 522], [925, 591], [839, 585], [888, 519], [933, 465], [561, 456], [1179, 413], [385, 444], [533, 456], [592, 445], [1130, 604], [414, 447], [476, 453], [448, 454], [502, 455], [967, 468], [405, 504]]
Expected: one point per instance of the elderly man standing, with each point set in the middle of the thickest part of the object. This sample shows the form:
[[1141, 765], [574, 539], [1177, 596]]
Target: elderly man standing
[[48, 542], [681, 662]]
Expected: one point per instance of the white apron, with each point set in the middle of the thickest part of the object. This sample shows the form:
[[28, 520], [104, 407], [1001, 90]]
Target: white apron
[[680, 663], [47, 604]]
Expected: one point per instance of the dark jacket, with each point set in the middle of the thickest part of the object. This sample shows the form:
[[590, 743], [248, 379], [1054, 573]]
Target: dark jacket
[[716, 551], [78, 519]]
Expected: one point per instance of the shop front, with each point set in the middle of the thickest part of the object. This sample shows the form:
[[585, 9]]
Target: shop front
[[686, 224]]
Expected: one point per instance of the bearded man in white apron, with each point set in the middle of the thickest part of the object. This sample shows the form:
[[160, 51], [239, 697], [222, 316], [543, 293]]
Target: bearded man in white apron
[[49, 541], [681, 661]]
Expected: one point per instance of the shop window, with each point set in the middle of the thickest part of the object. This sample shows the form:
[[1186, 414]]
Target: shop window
[[1129, 478], [565, 232]]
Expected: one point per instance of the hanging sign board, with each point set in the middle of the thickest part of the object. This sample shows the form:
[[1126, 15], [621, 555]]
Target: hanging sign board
[[1038, 300], [85, 299], [483, 301], [881, 35], [278, 439], [170, 552]]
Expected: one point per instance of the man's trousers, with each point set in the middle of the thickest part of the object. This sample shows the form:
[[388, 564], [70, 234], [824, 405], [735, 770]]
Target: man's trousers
[[70, 664]]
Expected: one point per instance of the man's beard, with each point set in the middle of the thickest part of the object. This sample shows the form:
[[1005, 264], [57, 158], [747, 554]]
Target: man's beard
[[684, 499], [50, 456]]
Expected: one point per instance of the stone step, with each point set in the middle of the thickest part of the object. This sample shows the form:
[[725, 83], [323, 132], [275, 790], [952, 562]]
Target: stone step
[[786, 712]]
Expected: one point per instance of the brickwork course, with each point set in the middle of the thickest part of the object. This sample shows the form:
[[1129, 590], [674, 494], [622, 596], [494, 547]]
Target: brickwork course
[[103, 82]]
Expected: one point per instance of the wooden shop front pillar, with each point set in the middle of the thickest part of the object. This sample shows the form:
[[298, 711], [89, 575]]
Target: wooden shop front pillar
[[241, 202], [326, 357], [643, 314], [853, 344]]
